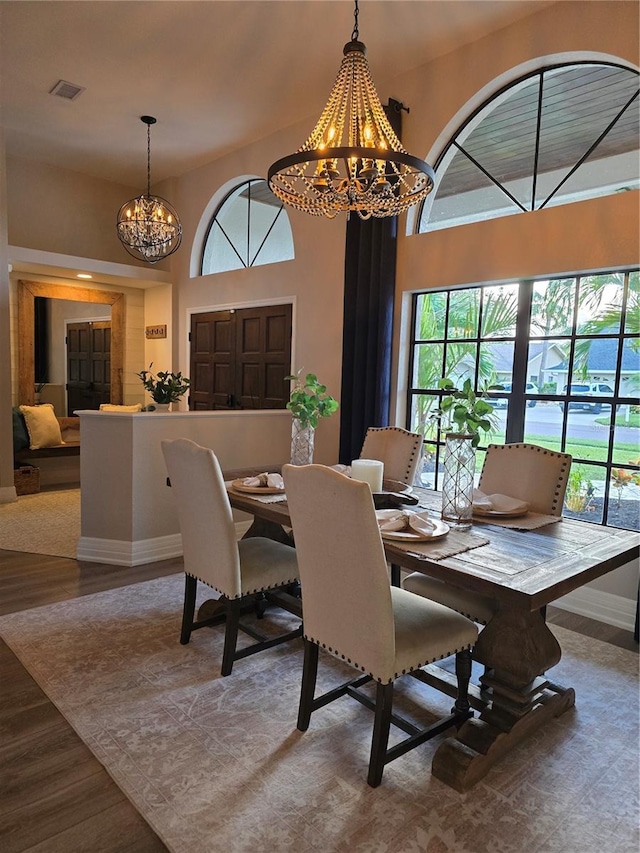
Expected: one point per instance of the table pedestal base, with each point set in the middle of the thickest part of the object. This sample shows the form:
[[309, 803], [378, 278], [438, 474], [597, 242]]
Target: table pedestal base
[[462, 761], [518, 647]]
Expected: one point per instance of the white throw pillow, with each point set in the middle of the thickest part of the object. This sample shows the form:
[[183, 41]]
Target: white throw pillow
[[42, 426]]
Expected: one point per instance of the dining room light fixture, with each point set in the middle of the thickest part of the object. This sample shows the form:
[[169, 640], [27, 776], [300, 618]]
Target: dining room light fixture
[[148, 226], [353, 160]]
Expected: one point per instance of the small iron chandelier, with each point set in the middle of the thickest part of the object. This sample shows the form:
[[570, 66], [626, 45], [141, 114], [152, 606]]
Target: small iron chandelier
[[148, 226], [352, 160]]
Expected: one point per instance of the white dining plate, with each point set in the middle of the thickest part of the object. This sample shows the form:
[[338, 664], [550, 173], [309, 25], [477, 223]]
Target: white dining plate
[[241, 486], [441, 528]]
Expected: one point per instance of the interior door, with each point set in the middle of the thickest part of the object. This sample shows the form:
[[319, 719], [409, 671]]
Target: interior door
[[212, 360], [239, 358], [88, 365]]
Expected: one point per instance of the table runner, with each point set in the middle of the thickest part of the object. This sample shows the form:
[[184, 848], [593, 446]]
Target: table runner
[[532, 520]]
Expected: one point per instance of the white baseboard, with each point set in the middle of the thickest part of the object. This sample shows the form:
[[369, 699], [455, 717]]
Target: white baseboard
[[8, 494], [601, 606], [115, 552]]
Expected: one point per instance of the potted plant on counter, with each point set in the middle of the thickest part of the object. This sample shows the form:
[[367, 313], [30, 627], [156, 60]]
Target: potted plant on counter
[[165, 387], [308, 402]]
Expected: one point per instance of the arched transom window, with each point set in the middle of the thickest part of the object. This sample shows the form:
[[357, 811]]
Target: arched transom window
[[561, 134], [249, 228]]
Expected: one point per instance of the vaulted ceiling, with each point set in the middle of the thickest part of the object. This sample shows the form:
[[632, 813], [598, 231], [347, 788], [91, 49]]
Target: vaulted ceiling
[[216, 74]]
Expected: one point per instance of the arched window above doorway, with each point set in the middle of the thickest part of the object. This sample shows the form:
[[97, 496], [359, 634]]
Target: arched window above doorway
[[560, 134], [249, 228]]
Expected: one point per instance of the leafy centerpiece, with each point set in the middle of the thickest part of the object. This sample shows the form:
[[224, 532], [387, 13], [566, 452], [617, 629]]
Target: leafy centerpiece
[[462, 415], [165, 387], [308, 402], [465, 412]]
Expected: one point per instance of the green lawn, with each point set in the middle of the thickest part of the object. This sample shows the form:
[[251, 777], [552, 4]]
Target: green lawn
[[634, 420], [589, 450]]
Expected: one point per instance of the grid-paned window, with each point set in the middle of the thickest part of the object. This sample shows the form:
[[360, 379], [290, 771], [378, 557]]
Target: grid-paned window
[[565, 354]]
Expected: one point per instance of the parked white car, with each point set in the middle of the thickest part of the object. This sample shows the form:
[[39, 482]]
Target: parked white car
[[501, 402], [587, 389]]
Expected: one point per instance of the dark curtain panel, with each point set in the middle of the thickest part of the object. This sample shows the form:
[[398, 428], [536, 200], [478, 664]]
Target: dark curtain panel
[[41, 339], [369, 291]]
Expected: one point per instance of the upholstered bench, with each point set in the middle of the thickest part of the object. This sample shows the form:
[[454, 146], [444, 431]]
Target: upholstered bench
[[46, 449], [38, 434]]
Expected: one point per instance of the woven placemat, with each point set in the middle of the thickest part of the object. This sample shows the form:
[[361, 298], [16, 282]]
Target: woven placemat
[[455, 542], [530, 521]]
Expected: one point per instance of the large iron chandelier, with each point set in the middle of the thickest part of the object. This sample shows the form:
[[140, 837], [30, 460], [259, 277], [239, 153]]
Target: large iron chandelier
[[352, 160], [148, 226]]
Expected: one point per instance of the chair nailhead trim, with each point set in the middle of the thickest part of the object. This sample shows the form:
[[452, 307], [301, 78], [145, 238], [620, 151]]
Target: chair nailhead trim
[[242, 594], [397, 674]]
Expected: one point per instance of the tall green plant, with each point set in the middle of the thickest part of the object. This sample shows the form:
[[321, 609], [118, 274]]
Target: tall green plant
[[464, 411], [309, 400]]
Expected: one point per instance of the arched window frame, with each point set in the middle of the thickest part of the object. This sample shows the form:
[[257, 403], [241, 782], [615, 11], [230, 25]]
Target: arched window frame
[[228, 194], [486, 98]]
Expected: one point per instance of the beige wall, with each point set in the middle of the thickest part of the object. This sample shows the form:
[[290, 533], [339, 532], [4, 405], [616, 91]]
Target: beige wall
[[59, 210], [7, 488], [158, 311], [594, 234]]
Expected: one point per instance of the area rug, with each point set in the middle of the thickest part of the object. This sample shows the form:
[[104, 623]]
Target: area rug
[[217, 764], [44, 523]]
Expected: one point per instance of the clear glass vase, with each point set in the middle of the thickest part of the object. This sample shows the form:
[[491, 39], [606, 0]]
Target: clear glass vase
[[302, 438], [457, 484]]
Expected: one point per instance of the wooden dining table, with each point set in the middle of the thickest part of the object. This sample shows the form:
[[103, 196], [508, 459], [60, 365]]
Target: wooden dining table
[[522, 571]]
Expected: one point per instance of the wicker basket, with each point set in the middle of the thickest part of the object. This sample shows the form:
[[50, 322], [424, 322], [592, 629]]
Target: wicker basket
[[26, 480]]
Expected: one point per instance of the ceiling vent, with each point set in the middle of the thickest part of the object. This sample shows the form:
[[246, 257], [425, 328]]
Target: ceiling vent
[[66, 90]]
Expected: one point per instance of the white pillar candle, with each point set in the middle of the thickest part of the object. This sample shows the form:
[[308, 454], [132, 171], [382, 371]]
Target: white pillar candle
[[368, 471]]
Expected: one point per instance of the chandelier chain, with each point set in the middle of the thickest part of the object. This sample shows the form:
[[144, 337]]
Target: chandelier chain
[[148, 159], [355, 33]]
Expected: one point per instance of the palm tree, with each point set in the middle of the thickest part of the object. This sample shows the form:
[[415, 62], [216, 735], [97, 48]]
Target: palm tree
[[499, 312], [607, 318]]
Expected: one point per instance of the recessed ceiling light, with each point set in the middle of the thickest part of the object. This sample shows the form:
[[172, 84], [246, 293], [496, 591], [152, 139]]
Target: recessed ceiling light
[[83, 275]]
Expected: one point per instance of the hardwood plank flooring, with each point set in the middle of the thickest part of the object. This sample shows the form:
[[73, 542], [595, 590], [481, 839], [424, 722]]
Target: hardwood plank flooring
[[55, 797]]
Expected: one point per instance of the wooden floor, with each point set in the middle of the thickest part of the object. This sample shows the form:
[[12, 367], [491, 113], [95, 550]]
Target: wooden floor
[[55, 797]]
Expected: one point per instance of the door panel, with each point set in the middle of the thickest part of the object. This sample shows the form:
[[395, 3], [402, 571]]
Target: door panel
[[212, 360], [239, 358], [88, 365]]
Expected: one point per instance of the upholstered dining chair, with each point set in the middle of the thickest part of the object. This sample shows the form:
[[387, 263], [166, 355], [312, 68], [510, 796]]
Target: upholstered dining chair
[[524, 471], [238, 570], [399, 450], [352, 612]]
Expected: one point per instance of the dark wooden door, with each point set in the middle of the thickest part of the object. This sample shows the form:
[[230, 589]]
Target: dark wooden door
[[88, 365], [239, 358], [212, 360]]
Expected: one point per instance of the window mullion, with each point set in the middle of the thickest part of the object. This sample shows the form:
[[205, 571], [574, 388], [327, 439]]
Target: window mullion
[[517, 403]]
